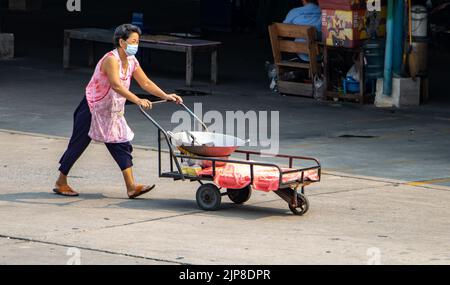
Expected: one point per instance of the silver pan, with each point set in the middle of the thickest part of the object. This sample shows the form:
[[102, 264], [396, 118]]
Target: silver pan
[[198, 143], [207, 143]]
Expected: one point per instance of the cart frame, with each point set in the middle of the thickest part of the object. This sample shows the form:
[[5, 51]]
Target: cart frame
[[176, 173]]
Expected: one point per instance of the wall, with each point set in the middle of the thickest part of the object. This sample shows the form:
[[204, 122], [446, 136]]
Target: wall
[[31, 27]]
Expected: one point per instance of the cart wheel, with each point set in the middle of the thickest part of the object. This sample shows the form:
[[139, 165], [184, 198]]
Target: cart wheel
[[208, 197], [303, 205], [240, 196]]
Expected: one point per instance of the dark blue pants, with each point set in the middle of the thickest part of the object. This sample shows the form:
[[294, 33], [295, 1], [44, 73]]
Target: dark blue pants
[[121, 152]]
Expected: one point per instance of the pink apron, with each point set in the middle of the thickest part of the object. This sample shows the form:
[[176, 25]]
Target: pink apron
[[108, 123]]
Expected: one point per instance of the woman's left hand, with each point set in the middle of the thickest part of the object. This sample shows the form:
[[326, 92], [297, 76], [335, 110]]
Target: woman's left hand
[[174, 97]]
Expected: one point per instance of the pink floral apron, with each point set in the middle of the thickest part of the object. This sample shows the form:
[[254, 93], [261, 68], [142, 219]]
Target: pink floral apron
[[108, 123]]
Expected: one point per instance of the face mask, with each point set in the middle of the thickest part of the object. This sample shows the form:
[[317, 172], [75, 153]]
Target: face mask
[[131, 49]]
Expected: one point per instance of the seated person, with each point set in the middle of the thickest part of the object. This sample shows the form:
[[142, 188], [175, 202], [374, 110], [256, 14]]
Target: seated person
[[307, 15]]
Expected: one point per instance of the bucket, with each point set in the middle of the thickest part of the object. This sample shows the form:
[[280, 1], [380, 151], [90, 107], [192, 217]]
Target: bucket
[[350, 85], [419, 21]]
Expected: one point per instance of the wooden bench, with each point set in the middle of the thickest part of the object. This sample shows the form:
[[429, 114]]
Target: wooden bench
[[161, 42]]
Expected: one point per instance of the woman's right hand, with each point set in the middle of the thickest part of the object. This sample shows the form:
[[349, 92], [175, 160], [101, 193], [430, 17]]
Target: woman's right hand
[[144, 103]]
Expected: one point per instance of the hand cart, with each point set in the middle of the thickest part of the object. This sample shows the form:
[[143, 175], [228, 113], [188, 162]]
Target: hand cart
[[209, 195]]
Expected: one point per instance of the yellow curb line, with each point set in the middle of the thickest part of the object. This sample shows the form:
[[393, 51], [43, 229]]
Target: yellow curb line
[[332, 172], [428, 182]]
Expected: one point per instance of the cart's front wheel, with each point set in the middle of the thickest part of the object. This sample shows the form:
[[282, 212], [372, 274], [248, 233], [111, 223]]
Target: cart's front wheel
[[240, 196], [208, 197], [302, 205]]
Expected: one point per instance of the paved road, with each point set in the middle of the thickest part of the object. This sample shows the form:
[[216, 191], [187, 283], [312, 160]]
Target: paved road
[[408, 144], [353, 219]]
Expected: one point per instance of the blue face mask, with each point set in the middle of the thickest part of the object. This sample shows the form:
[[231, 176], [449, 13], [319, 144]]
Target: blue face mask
[[131, 49]]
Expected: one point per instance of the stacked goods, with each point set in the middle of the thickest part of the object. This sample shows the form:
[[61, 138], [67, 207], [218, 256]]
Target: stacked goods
[[344, 23], [191, 170], [419, 42], [265, 178]]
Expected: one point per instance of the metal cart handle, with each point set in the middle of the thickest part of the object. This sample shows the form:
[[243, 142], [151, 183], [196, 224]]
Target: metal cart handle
[[205, 128], [168, 134]]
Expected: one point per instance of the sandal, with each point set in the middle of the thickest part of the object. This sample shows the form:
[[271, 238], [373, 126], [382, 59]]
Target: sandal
[[65, 191], [141, 190]]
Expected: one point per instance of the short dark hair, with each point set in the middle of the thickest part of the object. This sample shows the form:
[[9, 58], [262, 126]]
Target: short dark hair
[[313, 1], [124, 32]]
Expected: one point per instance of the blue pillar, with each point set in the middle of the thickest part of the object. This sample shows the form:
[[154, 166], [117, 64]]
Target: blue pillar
[[387, 82], [399, 33]]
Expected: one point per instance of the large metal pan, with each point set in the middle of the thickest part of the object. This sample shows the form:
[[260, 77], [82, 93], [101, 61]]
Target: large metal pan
[[206, 143], [199, 143]]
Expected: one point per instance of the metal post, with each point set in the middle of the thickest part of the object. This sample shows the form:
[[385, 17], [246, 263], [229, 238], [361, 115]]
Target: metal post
[[387, 83], [159, 153], [398, 34], [189, 66]]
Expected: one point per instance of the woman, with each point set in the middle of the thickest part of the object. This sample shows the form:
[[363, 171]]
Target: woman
[[100, 115]]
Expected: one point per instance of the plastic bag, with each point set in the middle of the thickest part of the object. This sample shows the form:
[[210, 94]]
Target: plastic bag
[[272, 75], [319, 88], [353, 73]]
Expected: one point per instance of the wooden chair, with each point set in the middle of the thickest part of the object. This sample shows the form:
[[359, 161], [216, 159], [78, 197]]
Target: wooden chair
[[282, 38]]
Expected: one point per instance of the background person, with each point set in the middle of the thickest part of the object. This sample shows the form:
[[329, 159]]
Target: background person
[[307, 15]]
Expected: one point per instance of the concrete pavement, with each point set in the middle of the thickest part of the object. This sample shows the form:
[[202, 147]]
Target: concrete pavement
[[352, 220], [408, 144], [383, 199]]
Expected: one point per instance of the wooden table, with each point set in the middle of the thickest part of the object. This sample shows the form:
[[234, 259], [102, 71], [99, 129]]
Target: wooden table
[[161, 42]]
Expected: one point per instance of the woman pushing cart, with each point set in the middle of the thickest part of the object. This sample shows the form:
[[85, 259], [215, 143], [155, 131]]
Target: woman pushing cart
[[100, 115]]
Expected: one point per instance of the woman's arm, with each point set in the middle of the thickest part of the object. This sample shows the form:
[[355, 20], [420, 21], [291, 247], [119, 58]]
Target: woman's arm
[[149, 86], [110, 67]]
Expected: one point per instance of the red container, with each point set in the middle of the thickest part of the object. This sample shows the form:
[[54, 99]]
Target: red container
[[346, 28], [343, 28], [342, 4]]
